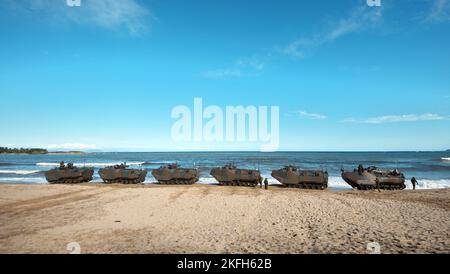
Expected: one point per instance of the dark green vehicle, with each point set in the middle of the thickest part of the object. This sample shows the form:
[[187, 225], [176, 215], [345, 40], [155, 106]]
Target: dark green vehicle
[[121, 174], [230, 175], [69, 174], [173, 174], [294, 177], [373, 178]]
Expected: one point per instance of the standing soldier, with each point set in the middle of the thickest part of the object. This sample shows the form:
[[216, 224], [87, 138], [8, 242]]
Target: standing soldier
[[260, 183], [360, 169], [414, 182], [378, 184], [266, 184]]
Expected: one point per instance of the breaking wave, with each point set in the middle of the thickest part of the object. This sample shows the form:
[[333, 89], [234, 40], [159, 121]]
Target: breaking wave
[[337, 182], [93, 164], [19, 172], [157, 163], [431, 184], [24, 180], [445, 159]]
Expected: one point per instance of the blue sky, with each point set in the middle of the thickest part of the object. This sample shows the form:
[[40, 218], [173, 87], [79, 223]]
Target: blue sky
[[106, 75]]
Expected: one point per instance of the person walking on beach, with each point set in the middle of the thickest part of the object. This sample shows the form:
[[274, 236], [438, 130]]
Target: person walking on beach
[[266, 184], [414, 182], [260, 183]]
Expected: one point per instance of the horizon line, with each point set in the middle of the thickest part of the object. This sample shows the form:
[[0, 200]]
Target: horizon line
[[253, 151]]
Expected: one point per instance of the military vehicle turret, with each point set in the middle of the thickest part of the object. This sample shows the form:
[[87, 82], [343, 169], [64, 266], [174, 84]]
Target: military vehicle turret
[[121, 174], [173, 174], [69, 174], [373, 178], [293, 177], [230, 175]]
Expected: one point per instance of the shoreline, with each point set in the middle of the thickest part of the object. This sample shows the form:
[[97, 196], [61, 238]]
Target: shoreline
[[217, 219], [335, 184]]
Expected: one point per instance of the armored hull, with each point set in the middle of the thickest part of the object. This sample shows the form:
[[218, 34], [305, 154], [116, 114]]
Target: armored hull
[[373, 178], [69, 175], [293, 177], [231, 176], [121, 174], [175, 175]]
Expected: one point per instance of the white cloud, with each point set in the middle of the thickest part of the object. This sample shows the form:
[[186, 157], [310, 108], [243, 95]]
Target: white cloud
[[399, 118], [108, 14], [71, 146], [241, 67], [440, 12], [252, 63], [223, 73], [311, 116], [359, 19]]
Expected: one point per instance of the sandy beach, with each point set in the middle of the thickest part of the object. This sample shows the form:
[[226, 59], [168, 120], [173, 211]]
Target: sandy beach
[[214, 219]]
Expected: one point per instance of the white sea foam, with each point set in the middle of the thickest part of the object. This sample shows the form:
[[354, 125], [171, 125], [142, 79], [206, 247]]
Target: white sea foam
[[207, 181], [27, 180], [19, 172], [430, 184], [337, 182], [94, 164], [445, 158]]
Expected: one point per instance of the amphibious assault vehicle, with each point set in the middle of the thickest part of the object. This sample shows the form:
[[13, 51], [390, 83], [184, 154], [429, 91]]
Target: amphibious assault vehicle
[[121, 174], [173, 174], [69, 174], [291, 176], [230, 175], [373, 178]]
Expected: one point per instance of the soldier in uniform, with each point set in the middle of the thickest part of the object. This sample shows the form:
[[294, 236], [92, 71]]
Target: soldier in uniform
[[266, 184], [360, 169], [414, 182], [378, 184]]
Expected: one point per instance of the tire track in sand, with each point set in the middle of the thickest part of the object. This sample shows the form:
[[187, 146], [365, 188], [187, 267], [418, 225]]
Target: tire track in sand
[[28, 206]]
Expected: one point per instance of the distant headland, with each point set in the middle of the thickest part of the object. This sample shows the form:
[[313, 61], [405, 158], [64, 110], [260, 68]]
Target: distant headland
[[7, 150], [66, 152]]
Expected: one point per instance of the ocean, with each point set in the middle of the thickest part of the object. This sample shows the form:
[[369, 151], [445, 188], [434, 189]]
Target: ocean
[[432, 169]]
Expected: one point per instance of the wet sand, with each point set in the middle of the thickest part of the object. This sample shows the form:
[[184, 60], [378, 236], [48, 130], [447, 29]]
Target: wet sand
[[214, 219]]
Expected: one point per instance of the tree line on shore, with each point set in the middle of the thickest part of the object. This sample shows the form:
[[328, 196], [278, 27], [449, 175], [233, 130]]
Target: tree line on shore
[[4, 150]]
